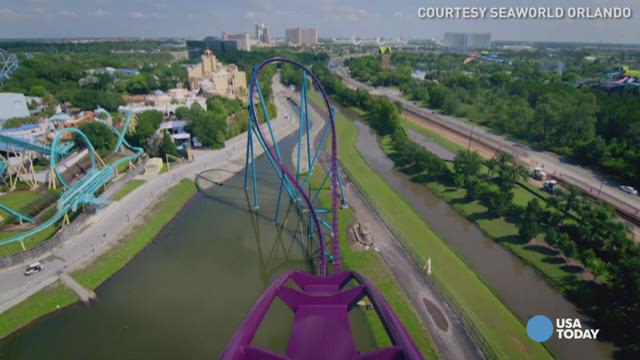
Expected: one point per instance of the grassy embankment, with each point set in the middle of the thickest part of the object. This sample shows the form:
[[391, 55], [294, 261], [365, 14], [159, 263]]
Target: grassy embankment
[[127, 188], [371, 265], [500, 327], [113, 260], [57, 296], [43, 302], [502, 230], [20, 200]]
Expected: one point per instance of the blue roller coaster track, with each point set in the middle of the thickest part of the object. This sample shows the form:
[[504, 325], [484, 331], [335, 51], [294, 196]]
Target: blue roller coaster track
[[84, 191]]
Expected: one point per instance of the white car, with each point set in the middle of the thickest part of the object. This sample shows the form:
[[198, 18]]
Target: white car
[[629, 190], [33, 268]]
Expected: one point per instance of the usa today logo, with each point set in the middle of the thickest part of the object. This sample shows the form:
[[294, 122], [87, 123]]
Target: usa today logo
[[540, 329]]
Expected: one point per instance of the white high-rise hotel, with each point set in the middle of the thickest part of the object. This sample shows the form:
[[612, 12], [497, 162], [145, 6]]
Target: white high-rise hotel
[[263, 33]]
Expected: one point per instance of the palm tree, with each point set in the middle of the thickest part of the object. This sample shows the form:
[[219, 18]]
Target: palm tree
[[569, 199]]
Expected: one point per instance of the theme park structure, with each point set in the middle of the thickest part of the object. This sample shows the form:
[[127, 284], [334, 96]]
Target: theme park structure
[[8, 65], [321, 303], [84, 191]]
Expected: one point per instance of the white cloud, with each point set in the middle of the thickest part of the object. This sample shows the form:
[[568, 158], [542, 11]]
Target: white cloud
[[250, 15], [136, 15], [68, 13], [397, 14], [99, 13]]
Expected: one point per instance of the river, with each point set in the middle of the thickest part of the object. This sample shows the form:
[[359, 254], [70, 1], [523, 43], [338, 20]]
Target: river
[[519, 286], [184, 295]]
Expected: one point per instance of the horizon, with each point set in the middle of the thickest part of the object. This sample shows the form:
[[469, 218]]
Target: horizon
[[46, 19]]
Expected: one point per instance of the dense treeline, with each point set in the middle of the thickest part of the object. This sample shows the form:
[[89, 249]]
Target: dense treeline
[[577, 226], [213, 126], [597, 128], [75, 74]]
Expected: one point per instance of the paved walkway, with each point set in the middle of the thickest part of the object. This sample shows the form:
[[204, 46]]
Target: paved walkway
[[112, 222]]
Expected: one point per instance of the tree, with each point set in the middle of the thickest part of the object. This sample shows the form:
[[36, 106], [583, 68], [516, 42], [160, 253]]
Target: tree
[[100, 135], [529, 226], [569, 199], [595, 265], [466, 165], [168, 147], [147, 126], [137, 84]]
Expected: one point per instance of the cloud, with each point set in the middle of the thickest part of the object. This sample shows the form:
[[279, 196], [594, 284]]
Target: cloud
[[397, 14], [99, 13], [68, 13], [136, 15], [250, 15], [38, 1]]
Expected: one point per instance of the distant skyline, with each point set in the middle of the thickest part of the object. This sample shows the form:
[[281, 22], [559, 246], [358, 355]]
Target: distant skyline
[[332, 18]]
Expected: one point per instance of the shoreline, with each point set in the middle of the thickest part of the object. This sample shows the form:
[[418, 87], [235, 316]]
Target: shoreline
[[56, 296]]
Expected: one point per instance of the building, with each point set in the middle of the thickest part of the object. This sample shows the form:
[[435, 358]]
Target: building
[[467, 40], [384, 57], [167, 103], [307, 37], [177, 132], [12, 105], [214, 78], [196, 48], [243, 40], [263, 33]]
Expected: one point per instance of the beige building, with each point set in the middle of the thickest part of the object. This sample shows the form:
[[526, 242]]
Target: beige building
[[306, 37], [214, 78]]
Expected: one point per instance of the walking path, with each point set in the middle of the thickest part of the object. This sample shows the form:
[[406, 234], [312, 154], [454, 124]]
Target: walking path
[[113, 221]]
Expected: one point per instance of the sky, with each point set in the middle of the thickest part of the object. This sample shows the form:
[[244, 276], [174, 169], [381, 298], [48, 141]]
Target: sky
[[363, 18]]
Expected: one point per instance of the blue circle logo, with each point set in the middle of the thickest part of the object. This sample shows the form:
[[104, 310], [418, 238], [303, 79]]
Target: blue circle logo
[[539, 328]]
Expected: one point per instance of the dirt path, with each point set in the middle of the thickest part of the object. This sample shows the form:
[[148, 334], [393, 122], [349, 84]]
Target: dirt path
[[446, 331]]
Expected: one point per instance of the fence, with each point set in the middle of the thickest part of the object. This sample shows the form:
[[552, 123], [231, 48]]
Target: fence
[[471, 330], [51, 244], [45, 247]]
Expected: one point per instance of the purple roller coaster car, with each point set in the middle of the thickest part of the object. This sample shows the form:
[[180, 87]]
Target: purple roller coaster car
[[321, 304]]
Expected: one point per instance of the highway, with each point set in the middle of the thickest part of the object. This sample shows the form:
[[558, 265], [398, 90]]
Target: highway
[[589, 181], [115, 220]]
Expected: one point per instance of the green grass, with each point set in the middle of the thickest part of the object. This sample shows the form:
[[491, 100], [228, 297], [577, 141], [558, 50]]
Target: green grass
[[369, 264], [112, 261], [15, 247], [17, 200], [127, 188], [41, 303], [505, 334], [447, 144]]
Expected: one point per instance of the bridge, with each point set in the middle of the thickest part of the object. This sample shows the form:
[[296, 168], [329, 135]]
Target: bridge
[[322, 301]]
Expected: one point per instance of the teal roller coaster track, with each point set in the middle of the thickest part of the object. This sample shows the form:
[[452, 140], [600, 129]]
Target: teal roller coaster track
[[84, 191]]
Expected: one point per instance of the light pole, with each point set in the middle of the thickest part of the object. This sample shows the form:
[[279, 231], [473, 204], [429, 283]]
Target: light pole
[[470, 136]]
